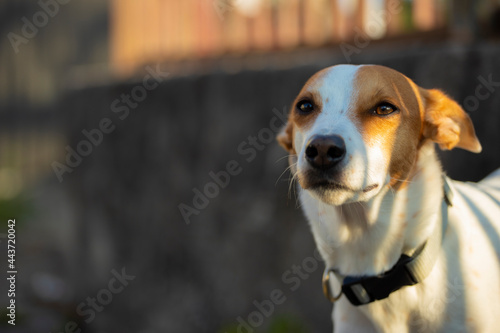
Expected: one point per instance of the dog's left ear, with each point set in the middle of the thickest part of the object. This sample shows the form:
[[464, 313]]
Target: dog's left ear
[[285, 138], [446, 123]]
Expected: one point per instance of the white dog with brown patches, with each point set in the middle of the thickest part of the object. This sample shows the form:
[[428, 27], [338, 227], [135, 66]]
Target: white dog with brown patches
[[406, 249]]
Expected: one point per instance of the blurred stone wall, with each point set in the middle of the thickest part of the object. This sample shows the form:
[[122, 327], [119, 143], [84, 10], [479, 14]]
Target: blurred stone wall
[[201, 276], [247, 243]]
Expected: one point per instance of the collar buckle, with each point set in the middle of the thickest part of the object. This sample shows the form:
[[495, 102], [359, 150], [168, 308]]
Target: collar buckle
[[366, 289], [327, 286]]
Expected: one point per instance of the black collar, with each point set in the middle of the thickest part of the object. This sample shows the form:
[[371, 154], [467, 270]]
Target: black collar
[[410, 269]]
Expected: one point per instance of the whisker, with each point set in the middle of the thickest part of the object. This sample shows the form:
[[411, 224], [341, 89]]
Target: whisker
[[294, 177], [287, 169], [281, 158]]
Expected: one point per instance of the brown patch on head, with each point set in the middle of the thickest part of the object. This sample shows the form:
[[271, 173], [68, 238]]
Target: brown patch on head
[[295, 118], [397, 133], [311, 95]]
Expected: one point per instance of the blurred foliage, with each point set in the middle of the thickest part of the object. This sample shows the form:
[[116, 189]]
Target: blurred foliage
[[18, 208], [278, 324], [407, 16], [286, 324]]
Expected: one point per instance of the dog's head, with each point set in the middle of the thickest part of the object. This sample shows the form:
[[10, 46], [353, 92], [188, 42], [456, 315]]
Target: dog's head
[[355, 129]]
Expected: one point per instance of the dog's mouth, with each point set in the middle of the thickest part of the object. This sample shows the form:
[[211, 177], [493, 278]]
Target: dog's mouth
[[369, 188], [333, 189], [326, 185], [323, 184], [329, 185]]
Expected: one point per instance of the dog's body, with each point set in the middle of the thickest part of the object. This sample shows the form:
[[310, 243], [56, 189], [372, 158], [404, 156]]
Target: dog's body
[[361, 140]]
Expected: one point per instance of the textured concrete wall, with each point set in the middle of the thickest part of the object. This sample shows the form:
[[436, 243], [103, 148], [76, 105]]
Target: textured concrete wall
[[251, 238]]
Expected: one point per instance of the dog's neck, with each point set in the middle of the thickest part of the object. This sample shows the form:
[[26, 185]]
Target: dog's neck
[[368, 238]]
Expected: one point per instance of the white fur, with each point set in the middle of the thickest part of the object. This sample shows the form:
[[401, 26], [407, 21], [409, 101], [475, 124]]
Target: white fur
[[462, 293]]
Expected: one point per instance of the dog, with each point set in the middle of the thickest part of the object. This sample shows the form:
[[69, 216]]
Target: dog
[[406, 248]]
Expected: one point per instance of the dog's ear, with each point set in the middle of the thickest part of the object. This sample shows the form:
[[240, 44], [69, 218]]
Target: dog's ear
[[446, 123], [285, 138]]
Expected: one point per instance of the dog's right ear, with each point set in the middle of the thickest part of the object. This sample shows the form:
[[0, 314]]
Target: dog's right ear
[[285, 138]]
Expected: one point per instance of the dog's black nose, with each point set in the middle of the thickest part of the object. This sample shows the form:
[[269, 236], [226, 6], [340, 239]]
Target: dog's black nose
[[324, 152]]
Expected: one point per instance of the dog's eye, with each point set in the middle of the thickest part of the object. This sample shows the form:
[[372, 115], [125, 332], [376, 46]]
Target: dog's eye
[[305, 106], [384, 109]]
